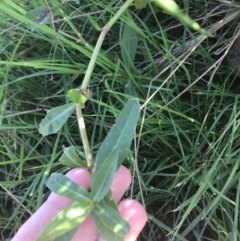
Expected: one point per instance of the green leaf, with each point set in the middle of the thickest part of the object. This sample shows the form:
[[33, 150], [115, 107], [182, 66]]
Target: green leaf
[[109, 220], [102, 179], [66, 220], [172, 8], [64, 186], [130, 89], [66, 236], [94, 23], [120, 135], [112, 219], [55, 119], [77, 97], [139, 4], [129, 44], [71, 159], [106, 233], [109, 201]]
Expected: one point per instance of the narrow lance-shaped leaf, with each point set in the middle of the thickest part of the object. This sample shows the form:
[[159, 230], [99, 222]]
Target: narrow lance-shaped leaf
[[71, 159], [120, 135], [129, 44], [112, 219], [109, 201], [106, 233], [140, 4], [56, 118], [66, 220], [130, 89], [102, 178], [66, 236], [64, 186]]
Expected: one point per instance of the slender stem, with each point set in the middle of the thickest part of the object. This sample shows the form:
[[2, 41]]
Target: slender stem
[[84, 136], [93, 59], [88, 74], [101, 38], [118, 14]]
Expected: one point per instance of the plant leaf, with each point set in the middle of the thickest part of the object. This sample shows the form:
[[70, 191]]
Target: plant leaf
[[139, 4], [66, 220], [109, 201], [66, 236], [71, 159], [130, 89], [76, 96], [64, 186], [111, 219], [120, 135], [106, 233], [56, 118], [102, 179], [129, 44]]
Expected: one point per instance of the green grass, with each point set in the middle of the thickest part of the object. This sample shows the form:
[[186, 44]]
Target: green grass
[[188, 153]]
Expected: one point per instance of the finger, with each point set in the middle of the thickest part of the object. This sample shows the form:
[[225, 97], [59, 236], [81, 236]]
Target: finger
[[135, 214], [53, 205], [122, 180], [121, 183]]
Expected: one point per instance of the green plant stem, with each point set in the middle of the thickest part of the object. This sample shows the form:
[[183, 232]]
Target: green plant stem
[[84, 136], [101, 38], [80, 38], [88, 74]]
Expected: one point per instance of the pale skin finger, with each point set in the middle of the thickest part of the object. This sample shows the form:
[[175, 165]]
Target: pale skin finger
[[55, 203], [136, 216], [122, 180], [130, 210]]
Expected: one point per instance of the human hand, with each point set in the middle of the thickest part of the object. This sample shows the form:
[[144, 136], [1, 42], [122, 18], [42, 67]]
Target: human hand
[[131, 210]]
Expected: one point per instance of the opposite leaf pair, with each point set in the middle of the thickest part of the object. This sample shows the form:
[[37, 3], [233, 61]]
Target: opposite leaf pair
[[97, 202]]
